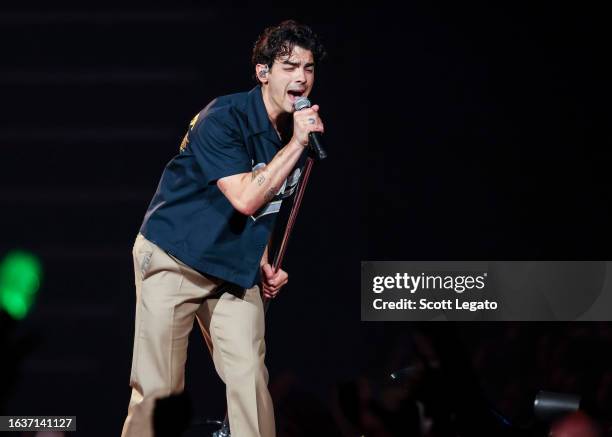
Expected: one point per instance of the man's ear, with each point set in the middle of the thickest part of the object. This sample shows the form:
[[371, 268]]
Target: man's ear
[[262, 71]]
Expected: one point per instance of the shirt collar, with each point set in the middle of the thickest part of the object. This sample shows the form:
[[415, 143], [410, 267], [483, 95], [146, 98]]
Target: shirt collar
[[259, 121]]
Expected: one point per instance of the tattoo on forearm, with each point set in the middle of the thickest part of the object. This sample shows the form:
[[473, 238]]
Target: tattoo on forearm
[[259, 175]]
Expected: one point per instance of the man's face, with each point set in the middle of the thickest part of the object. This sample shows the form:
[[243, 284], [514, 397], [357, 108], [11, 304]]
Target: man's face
[[289, 78]]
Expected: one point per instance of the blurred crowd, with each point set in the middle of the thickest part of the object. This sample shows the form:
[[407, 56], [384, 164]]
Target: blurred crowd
[[437, 380], [452, 380]]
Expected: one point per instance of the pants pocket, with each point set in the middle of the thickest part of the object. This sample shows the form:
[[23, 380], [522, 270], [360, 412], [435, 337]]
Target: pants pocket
[[143, 253]]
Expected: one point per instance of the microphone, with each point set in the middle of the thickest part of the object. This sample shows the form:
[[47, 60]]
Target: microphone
[[314, 137]]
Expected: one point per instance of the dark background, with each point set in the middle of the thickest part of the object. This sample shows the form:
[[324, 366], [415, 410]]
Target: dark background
[[454, 132]]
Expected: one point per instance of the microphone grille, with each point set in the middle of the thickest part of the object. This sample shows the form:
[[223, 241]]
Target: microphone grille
[[301, 103]]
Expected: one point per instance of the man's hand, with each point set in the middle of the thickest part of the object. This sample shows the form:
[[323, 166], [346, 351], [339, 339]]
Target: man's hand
[[306, 121], [272, 282]]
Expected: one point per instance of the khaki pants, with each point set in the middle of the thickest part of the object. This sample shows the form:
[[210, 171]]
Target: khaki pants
[[169, 296]]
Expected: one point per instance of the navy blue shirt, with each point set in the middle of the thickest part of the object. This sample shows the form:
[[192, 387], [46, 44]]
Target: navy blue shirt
[[190, 218]]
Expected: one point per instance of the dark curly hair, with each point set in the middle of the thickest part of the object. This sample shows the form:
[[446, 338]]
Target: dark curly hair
[[278, 41]]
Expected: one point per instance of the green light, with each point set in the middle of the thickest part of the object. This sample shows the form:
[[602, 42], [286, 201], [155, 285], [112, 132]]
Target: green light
[[20, 274]]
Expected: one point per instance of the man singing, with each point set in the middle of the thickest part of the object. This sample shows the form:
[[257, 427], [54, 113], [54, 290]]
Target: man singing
[[202, 250]]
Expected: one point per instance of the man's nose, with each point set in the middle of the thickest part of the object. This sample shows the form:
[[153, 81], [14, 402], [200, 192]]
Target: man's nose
[[300, 75]]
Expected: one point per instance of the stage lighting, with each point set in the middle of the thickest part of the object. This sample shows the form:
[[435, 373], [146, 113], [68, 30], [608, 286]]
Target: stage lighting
[[20, 277]]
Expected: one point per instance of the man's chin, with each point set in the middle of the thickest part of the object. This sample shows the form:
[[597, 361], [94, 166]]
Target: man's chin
[[289, 107]]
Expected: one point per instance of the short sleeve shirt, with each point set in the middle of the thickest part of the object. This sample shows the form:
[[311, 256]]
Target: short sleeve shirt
[[190, 218]]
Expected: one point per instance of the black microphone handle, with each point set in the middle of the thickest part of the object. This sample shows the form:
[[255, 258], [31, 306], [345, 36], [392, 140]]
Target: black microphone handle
[[317, 145]]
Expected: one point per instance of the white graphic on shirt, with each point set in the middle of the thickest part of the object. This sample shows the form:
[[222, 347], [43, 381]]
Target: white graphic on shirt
[[286, 190]]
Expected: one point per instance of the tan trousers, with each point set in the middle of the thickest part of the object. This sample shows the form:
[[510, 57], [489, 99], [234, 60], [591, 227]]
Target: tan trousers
[[169, 296]]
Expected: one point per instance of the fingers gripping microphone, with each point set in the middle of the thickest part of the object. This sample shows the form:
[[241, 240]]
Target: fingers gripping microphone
[[314, 137]]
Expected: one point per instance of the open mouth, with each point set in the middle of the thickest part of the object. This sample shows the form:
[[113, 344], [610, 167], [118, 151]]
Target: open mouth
[[294, 94]]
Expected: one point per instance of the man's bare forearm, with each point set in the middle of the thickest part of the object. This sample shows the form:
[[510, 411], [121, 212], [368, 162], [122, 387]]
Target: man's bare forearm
[[250, 191]]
